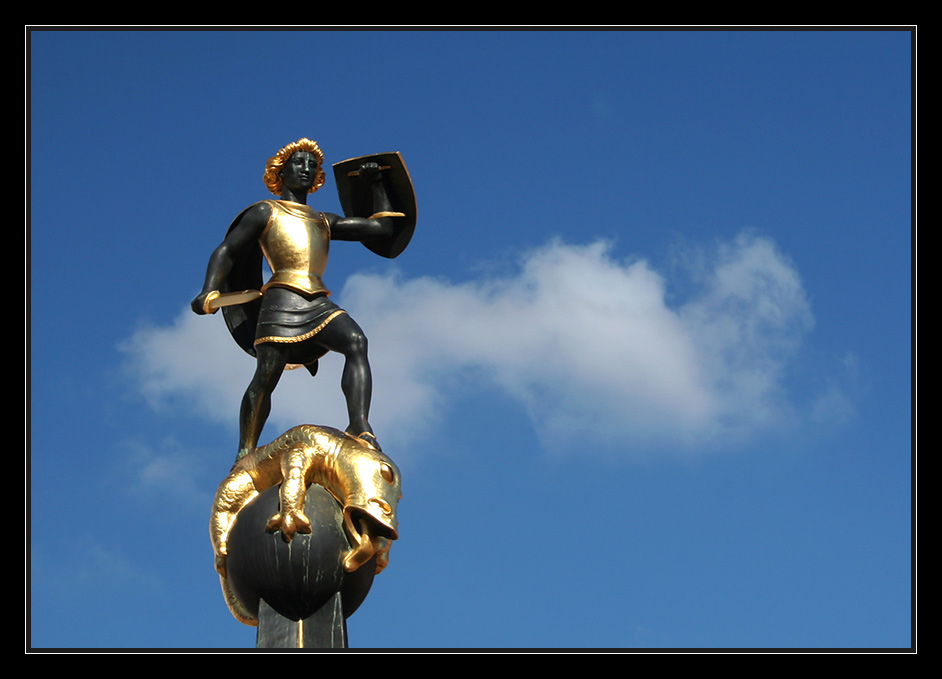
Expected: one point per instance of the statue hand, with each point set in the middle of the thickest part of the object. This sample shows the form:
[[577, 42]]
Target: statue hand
[[369, 172], [198, 305]]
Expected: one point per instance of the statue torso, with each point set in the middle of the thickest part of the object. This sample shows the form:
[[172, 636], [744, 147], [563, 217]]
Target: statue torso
[[296, 244]]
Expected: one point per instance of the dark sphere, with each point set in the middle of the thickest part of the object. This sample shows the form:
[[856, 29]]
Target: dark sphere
[[295, 578]]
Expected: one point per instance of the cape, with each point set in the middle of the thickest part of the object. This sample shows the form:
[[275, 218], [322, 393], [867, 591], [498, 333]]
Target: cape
[[246, 274]]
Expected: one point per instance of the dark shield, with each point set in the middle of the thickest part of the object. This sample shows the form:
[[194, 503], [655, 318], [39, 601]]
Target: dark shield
[[356, 198]]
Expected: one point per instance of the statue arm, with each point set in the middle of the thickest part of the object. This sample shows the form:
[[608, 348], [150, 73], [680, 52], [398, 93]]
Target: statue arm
[[359, 228], [379, 225], [243, 234]]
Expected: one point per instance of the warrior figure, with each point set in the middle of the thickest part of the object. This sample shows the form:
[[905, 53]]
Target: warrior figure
[[294, 322]]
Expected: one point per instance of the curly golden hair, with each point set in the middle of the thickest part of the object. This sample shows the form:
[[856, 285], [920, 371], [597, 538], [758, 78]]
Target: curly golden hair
[[277, 162]]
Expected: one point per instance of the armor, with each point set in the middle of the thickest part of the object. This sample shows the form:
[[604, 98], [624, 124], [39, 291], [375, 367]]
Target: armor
[[296, 243]]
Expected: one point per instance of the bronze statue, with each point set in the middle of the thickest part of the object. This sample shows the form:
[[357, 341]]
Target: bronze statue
[[293, 321], [331, 494]]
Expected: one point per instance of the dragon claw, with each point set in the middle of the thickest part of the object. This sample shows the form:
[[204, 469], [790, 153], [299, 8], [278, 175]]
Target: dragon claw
[[289, 523]]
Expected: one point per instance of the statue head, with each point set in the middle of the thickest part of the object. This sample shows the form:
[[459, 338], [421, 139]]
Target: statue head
[[277, 162]]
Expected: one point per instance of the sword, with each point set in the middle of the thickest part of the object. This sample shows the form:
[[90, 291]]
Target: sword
[[216, 300]]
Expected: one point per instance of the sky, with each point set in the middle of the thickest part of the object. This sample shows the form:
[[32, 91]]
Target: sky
[[646, 365]]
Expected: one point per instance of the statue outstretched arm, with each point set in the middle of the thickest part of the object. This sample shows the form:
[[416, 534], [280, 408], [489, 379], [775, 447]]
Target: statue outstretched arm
[[243, 234], [379, 225]]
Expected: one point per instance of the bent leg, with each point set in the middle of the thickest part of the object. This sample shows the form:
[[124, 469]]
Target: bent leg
[[344, 336]]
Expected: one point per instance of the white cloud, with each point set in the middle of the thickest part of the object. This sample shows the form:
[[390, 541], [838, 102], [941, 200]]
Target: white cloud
[[189, 360], [164, 469], [586, 342]]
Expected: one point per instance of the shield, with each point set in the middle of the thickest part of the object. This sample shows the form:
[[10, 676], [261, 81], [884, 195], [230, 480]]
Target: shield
[[356, 198]]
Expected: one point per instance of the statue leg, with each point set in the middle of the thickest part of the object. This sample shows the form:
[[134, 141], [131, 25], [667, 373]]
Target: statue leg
[[344, 336], [256, 403]]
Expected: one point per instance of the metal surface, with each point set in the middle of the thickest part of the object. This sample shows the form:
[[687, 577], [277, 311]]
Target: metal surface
[[326, 628], [296, 245]]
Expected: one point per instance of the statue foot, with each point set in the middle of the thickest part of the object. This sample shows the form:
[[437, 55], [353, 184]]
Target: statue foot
[[370, 439], [242, 453]]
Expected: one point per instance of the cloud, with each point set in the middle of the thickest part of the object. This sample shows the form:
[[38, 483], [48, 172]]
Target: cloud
[[188, 360], [585, 342]]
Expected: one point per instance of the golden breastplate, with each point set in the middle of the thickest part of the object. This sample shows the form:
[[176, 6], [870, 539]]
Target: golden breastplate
[[296, 243]]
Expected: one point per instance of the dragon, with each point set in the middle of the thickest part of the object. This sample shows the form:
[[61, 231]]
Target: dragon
[[365, 482]]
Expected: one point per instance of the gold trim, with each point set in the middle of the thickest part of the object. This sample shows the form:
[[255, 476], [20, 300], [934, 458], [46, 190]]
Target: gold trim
[[300, 338], [377, 215]]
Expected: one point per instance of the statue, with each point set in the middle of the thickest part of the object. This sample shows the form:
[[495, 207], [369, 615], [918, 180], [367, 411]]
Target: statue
[[293, 322], [349, 486], [362, 479]]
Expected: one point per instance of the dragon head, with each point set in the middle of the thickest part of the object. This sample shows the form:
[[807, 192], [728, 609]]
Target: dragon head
[[371, 487]]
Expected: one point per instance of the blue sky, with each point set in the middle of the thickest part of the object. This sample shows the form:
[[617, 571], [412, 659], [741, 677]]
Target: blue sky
[[646, 365]]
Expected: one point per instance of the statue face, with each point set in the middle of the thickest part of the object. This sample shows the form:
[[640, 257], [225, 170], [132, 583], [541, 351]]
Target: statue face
[[300, 171]]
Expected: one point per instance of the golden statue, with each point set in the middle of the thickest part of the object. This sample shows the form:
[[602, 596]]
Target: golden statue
[[290, 321], [362, 479]]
